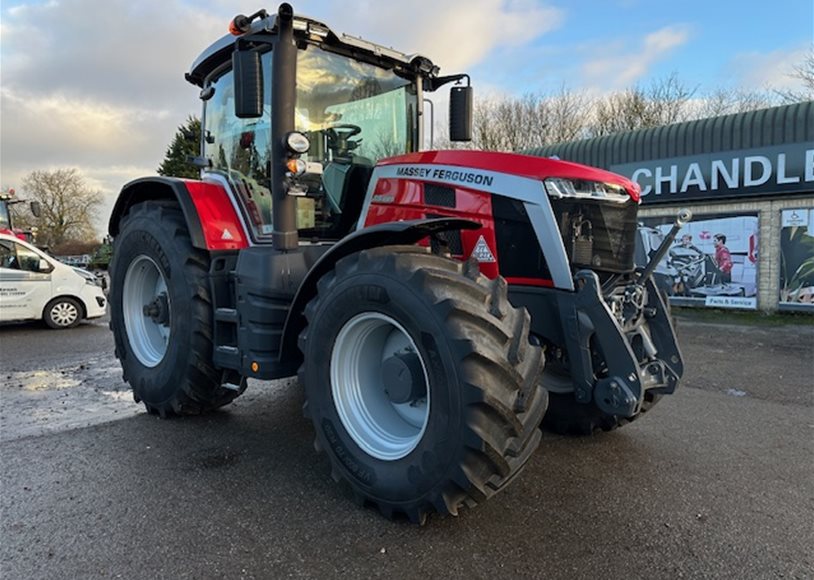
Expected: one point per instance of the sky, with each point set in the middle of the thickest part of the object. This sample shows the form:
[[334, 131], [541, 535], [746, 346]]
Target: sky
[[98, 85]]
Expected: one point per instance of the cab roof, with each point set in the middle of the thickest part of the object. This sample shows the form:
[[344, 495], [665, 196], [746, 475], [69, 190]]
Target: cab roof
[[215, 55]]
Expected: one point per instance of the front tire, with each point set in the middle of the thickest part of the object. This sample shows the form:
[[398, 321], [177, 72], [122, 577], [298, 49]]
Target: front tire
[[161, 314], [420, 380], [566, 416]]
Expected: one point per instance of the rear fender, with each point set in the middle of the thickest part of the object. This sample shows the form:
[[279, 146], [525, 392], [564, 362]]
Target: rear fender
[[210, 216], [387, 234]]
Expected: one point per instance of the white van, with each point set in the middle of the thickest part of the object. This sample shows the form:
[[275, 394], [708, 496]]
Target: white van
[[33, 286]]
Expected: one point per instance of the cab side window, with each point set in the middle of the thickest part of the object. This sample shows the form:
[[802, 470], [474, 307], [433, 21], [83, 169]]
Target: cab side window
[[240, 150], [8, 257]]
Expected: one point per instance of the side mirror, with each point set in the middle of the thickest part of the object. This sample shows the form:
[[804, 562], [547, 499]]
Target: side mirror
[[44, 266], [460, 114], [247, 70], [36, 209]]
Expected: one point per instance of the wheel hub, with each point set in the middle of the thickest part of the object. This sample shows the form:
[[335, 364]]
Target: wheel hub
[[146, 308], [403, 378], [159, 310], [379, 386]]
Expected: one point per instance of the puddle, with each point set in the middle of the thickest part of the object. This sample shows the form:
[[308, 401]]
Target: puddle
[[52, 400]]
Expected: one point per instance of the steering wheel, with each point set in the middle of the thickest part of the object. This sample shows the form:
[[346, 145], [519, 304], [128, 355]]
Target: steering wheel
[[339, 139], [344, 130]]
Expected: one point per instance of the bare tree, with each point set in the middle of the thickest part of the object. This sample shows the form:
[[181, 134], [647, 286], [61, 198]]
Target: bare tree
[[665, 101], [533, 120], [726, 101], [804, 72], [67, 205], [507, 124], [539, 119], [568, 115]]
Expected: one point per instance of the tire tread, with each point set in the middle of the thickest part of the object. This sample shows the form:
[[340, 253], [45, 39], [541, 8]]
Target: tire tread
[[502, 394], [201, 389]]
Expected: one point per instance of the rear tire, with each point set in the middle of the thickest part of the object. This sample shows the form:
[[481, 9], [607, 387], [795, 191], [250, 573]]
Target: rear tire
[[477, 423], [166, 356]]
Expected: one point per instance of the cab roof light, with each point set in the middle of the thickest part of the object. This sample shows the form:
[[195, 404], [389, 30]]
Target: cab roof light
[[241, 23]]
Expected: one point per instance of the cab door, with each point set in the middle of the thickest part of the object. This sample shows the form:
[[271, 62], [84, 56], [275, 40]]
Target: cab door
[[24, 288]]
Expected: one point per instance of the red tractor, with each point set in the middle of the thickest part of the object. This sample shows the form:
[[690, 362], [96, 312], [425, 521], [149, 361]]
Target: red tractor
[[7, 199], [415, 293]]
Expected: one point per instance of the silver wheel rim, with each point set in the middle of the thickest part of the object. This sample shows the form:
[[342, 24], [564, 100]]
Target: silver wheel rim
[[381, 428], [64, 313], [143, 284]]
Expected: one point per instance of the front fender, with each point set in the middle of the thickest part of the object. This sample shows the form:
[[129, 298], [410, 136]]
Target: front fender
[[211, 219], [387, 234]]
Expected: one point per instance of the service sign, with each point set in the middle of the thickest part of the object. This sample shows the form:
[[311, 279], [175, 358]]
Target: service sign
[[781, 170], [713, 262]]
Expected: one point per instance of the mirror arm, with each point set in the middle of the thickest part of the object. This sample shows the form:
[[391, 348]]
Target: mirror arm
[[434, 83]]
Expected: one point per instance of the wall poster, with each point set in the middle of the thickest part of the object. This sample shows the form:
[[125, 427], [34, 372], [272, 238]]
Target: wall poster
[[797, 258], [712, 262]]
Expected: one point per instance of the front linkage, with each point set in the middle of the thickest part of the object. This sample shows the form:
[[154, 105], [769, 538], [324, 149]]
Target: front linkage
[[638, 354], [630, 327]]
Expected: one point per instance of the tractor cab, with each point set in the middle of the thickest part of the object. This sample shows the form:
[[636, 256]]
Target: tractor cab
[[7, 199], [336, 104]]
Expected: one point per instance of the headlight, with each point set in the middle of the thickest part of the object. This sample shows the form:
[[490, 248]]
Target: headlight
[[88, 276], [296, 166], [560, 187], [297, 142]]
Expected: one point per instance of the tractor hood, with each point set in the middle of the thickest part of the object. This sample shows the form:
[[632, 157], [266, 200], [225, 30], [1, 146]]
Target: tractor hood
[[515, 164]]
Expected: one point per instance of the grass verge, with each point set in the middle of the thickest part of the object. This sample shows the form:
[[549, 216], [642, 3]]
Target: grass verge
[[743, 317]]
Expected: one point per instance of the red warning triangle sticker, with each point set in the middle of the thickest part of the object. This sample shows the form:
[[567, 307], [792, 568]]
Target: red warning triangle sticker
[[482, 253]]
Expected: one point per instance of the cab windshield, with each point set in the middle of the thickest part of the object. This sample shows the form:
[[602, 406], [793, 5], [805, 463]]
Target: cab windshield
[[353, 113], [352, 109]]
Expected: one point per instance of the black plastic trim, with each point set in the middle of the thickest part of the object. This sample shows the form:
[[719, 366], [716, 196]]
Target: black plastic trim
[[388, 234], [158, 188]]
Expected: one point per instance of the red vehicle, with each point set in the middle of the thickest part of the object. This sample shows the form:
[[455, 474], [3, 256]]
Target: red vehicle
[[8, 198], [416, 295]]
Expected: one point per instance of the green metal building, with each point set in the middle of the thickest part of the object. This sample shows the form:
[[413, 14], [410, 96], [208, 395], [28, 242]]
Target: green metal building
[[748, 177]]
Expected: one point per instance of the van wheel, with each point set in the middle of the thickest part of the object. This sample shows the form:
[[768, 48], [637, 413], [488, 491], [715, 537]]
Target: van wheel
[[62, 312]]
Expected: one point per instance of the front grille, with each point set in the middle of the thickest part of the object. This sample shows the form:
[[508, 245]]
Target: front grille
[[518, 250], [449, 238], [439, 195], [598, 235]]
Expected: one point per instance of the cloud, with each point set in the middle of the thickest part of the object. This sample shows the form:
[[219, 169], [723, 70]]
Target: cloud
[[114, 50], [456, 34], [98, 84], [621, 66], [109, 144], [774, 69]]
